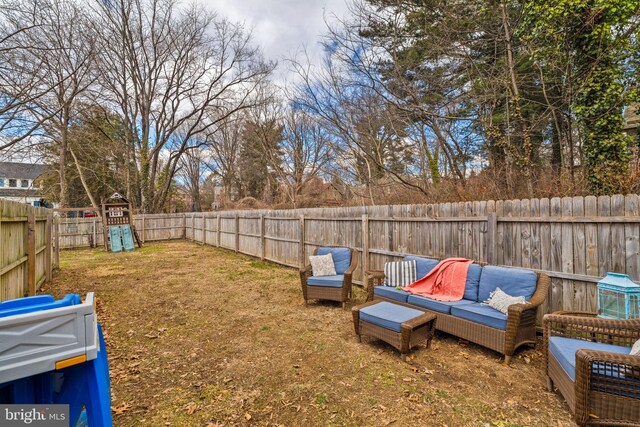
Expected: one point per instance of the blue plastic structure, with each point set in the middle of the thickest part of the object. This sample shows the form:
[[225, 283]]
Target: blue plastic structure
[[53, 352], [114, 238], [127, 238]]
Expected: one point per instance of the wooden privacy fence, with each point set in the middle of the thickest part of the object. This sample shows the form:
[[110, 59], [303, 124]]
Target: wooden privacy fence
[[74, 233], [575, 240], [25, 249]]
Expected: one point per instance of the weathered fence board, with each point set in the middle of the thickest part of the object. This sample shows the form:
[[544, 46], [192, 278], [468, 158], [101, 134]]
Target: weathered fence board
[[25, 249], [574, 239]]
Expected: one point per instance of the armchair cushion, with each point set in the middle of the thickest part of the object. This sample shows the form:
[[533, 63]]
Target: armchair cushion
[[341, 257], [391, 293], [423, 265], [516, 282], [635, 350], [388, 315], [322, 265], [329, 281], [481, 313], [439, 306], [564, 349]]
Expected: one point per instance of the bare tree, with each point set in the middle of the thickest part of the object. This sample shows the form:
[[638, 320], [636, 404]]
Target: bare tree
[[174, 73], [191, 173], [64, 52], [24, 58], [305, 151]]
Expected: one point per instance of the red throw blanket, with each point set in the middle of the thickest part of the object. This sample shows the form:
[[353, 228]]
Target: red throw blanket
[[446, 282]]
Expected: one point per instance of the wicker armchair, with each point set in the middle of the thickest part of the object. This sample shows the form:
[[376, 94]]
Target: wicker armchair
[[604, 387], [332, 293]]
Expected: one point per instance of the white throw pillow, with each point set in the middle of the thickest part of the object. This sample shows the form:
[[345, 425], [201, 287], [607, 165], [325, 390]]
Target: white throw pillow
[[400, 273], [635, 350], [501, 301], [322, 265]]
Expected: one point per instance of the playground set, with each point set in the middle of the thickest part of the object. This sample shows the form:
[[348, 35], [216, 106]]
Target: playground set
[[117, 226]]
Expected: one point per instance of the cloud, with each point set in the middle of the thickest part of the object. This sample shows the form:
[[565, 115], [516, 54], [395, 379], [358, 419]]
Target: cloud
[[282, 28]]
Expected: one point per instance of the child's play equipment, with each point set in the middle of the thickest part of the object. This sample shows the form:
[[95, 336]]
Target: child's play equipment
[[118, 228], [53, 352]]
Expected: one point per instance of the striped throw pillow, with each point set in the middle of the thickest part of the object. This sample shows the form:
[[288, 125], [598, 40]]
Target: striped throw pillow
[[401, 273]]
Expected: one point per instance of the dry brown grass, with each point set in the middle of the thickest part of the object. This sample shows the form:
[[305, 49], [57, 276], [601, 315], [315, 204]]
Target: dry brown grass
[[198, 336]]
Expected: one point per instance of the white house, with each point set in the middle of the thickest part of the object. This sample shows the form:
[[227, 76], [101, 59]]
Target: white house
[[17, 182]]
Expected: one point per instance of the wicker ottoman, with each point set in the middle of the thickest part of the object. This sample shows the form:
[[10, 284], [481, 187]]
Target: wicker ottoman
[[397, 325]]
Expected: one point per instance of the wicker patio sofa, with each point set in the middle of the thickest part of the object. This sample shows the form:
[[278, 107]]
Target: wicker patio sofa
[[332, 288], [469, 319], [588, 360]]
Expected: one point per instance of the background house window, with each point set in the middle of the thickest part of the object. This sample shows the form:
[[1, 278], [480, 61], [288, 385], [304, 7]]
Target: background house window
[[1, 182], [13, 183], [24, 183]]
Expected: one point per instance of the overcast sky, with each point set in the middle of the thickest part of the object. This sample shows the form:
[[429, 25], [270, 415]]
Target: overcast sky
[[282, 27]]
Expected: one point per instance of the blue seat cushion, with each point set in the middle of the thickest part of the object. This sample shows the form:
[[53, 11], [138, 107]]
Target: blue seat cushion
[[423, 265], [513, 281], [388, 315], [473, 282], [439, 306], [564, 351], [391, 293], [341, 258], [330, 281], [482, 314]]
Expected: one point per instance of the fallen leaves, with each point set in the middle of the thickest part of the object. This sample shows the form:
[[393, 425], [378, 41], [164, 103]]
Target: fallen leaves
[[120, 410], [190, 408]]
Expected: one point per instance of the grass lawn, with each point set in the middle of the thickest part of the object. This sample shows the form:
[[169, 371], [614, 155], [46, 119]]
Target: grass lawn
[[198, 336]]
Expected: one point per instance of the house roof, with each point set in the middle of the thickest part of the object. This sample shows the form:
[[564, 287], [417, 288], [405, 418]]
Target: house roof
[[21, 170], [19, 192]]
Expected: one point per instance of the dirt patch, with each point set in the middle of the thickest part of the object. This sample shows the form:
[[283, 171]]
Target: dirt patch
[[198, 336]]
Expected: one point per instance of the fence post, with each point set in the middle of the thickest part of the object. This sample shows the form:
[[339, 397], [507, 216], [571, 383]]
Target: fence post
[[262, 250], [143, 227], [48, 247], [204, 229], [301, 241], [218, 231], [365, 245], [237, 233], [31, 253], [94, 234], [492, 233], [193, 227], [56, 231], [184, 226]]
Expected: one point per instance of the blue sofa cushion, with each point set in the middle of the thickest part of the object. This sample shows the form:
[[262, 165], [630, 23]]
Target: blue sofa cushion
[[391, 293], [513, 281], [564, 351], [481, 313], [388, 315], [423, 265], [341, 258], [439, 306], [329, 281], [473, 282]]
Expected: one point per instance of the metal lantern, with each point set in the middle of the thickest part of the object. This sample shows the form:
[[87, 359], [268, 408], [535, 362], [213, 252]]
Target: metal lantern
[[618, 297]]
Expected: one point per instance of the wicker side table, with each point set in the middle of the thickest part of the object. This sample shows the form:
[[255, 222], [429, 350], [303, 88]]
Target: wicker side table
[[418, 327]]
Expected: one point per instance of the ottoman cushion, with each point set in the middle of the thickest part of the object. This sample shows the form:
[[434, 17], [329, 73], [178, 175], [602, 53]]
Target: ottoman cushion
[[388, 315]]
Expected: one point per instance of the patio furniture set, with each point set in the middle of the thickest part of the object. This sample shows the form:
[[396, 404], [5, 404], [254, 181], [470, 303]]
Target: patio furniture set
[[589, 359]]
